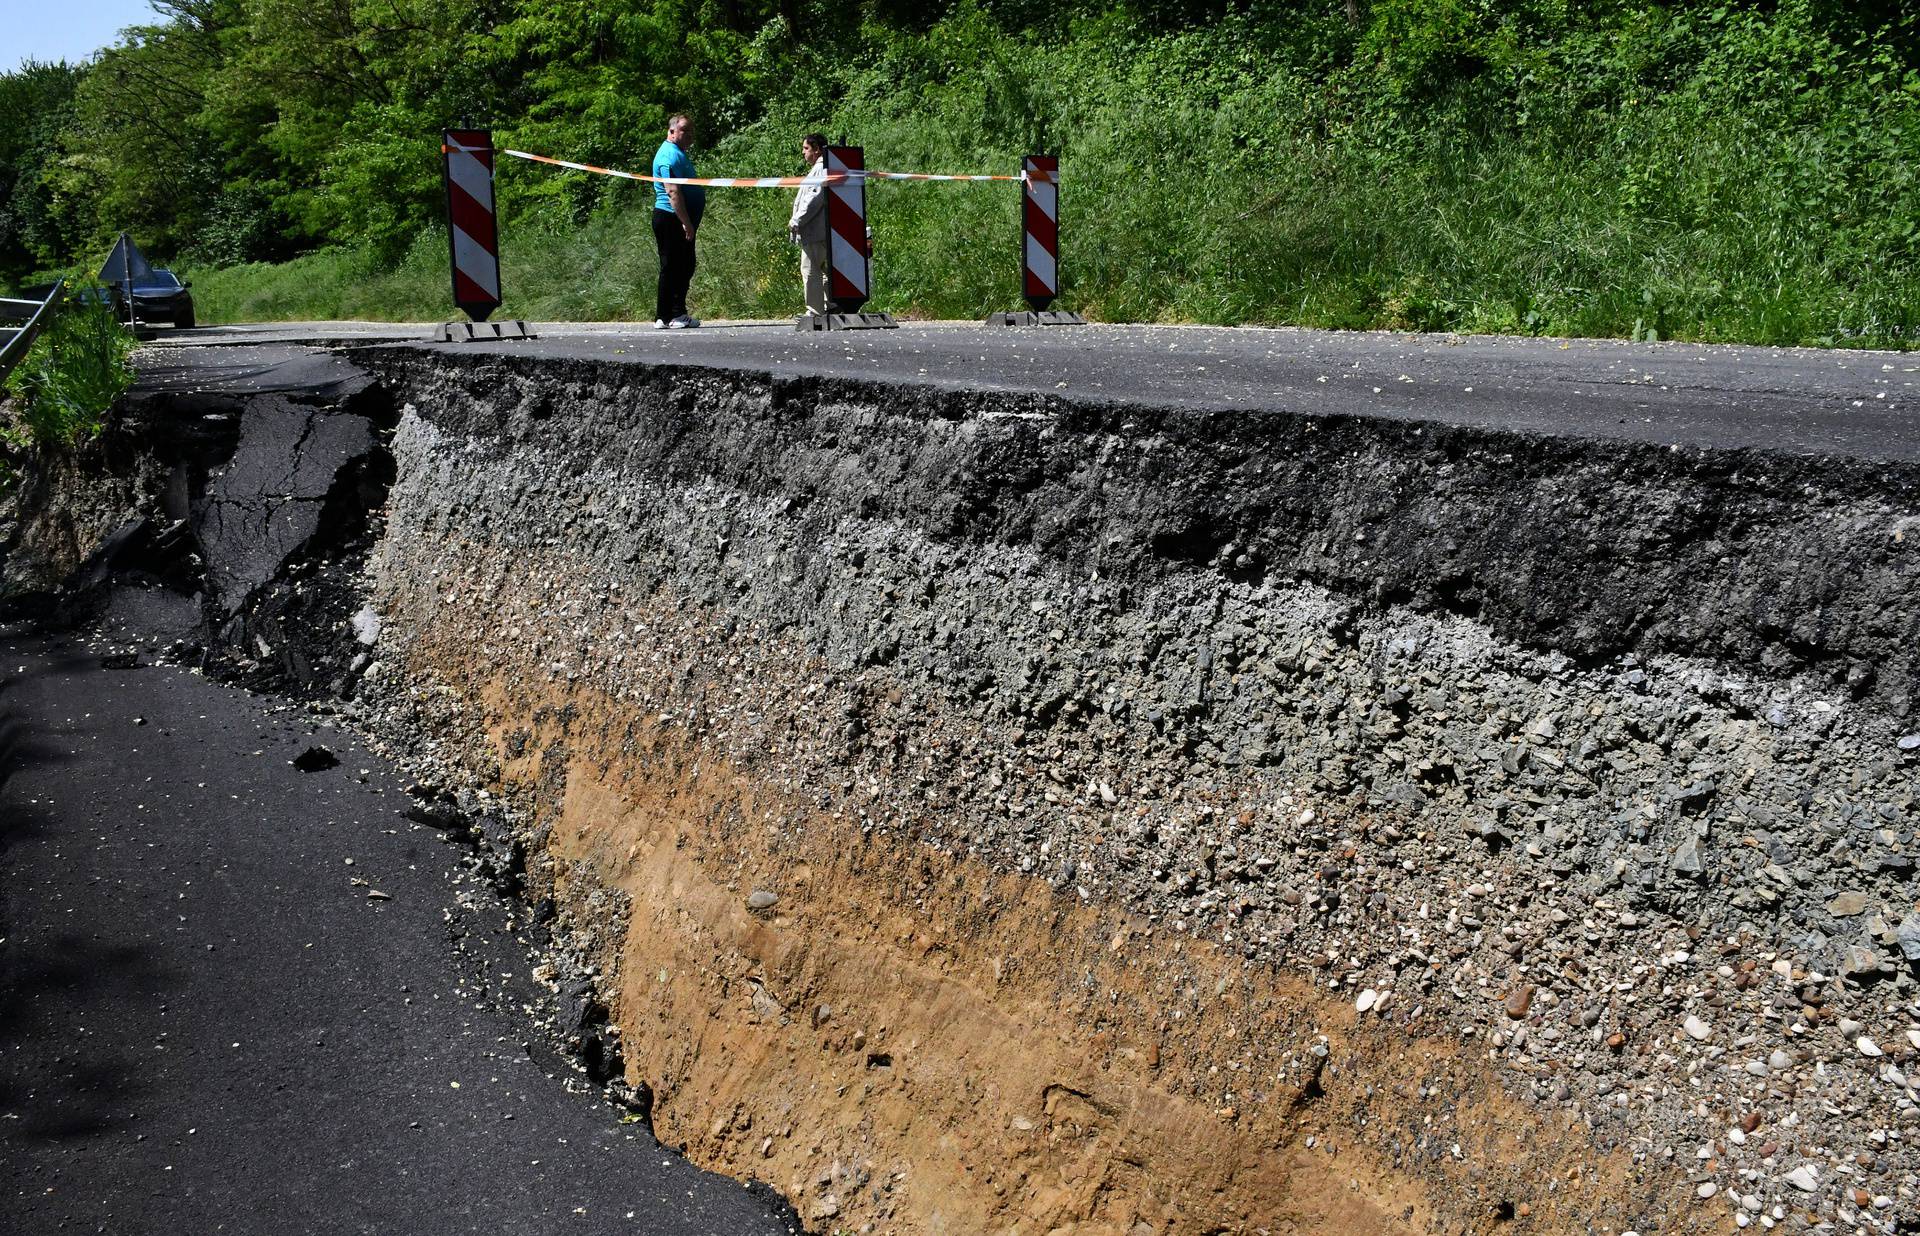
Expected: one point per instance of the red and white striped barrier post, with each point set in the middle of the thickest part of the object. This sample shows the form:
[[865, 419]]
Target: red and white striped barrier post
[[847, 231], [1039, 246], [1040, 225], [849, 252], [473, 234]]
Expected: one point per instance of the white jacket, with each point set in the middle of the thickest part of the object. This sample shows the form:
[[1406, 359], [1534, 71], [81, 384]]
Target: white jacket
[[808, 223]]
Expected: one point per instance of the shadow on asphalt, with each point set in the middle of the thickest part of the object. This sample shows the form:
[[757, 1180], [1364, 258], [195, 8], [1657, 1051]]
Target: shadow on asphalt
[[19, 750], [54, 986]]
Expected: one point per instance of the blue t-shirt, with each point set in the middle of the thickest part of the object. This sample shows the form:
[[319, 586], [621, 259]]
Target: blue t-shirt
[[670, 160]]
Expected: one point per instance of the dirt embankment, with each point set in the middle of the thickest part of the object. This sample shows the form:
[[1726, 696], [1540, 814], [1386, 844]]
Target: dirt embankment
[[1501, 765], [1003, 815]]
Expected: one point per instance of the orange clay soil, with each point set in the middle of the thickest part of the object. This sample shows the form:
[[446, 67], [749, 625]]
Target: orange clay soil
[[909, 1042]]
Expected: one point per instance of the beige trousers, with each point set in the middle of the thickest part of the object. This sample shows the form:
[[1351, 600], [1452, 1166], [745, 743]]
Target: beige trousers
[[813, 275]]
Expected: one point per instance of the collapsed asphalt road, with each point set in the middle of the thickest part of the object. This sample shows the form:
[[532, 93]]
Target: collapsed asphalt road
[[245, 997], [1650, 707]]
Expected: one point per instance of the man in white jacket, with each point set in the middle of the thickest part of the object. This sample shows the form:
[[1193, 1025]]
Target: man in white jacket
[[807, 226]]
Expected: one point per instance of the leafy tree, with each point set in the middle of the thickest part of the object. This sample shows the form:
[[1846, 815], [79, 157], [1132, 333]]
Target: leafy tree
[[135, 156], [1512, 164], [39, 98]]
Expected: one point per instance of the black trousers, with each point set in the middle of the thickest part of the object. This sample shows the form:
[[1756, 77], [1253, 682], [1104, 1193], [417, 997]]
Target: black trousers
[[676, 265]]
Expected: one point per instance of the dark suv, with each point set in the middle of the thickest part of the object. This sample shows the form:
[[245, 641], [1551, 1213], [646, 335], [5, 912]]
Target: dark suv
[[161, 298]]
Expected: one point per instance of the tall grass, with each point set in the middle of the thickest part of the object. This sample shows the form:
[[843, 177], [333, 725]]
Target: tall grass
[[1762, 191], [62, 391]]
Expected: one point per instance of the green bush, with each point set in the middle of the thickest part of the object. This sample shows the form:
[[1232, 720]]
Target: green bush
[[1713, 171], [78, 366]]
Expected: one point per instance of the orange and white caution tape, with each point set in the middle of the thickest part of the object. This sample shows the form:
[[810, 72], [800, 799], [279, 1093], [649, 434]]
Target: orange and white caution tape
[[932, 176], [730, 182], [753, 182]]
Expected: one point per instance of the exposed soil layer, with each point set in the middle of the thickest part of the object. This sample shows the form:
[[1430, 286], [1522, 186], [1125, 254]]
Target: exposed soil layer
[[983, 812], [906, 1038]]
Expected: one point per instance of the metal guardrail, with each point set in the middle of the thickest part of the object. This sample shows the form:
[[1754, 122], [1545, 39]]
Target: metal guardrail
[[16, 340]]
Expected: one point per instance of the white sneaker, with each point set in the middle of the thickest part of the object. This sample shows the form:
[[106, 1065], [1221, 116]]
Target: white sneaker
[[659, 324], [683, 322]]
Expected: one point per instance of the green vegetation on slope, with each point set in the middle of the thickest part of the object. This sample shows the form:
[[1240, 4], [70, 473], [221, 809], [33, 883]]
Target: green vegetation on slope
[[1695, 169], [60, 394]]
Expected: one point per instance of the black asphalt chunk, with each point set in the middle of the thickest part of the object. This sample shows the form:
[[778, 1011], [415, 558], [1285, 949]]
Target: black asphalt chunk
[[316, 759], [238, 998], [244, 371], [267, 503]]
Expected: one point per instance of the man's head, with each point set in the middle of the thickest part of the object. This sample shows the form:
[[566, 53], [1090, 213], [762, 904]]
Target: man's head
[[813, 147], [680, 130]]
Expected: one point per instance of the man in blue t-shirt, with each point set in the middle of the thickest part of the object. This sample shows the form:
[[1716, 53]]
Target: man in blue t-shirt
[[676, 217]]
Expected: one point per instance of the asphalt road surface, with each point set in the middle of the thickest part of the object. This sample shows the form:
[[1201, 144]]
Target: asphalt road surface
[[209, 1022], [1794, 400]]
